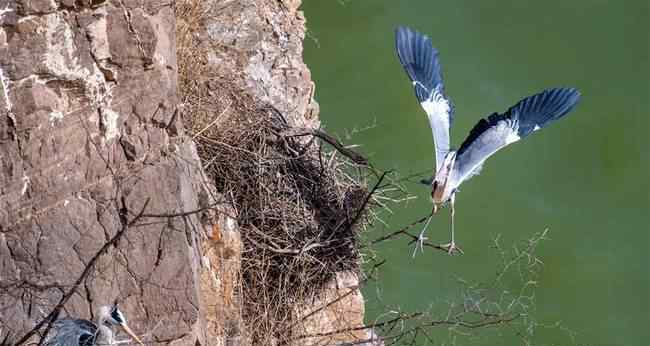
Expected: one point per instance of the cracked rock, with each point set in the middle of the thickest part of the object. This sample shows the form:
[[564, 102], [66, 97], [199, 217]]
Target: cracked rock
[[84, 87]]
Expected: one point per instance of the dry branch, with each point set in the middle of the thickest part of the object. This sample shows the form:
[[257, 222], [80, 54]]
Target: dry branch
[[54, 314]]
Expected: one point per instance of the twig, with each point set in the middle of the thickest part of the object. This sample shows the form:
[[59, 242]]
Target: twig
[[349, 153], [363, 206], [54, 314], [364, 327], [414, 238], [399, 319], [212, 122], [186, 213]]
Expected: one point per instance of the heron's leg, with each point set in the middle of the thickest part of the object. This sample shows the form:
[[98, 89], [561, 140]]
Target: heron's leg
[[451, 247], [421, 237], [453, 212]]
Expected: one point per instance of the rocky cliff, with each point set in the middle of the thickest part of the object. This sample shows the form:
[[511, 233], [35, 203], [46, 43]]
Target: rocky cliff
[[103, 196], [90, 137]]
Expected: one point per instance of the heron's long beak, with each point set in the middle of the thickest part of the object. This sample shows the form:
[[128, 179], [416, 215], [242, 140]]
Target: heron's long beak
[[131, 333]]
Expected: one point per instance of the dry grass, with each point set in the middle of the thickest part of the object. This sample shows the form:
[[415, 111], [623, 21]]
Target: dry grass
[[200, 95]]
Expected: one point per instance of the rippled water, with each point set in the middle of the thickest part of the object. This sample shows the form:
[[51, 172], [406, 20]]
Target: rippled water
[[584, 178]]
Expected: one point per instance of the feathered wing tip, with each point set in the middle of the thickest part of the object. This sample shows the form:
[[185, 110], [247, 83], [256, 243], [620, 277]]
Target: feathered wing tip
[[498, 130], [420, 61], [537, 111], [528, 115]]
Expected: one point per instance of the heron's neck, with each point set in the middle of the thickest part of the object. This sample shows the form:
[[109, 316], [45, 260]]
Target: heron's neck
[[445, 167], [442, 188], [104, 335]]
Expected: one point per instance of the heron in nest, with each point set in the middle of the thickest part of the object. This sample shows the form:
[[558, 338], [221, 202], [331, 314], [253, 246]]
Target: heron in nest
[[453, 167], [79, 332]]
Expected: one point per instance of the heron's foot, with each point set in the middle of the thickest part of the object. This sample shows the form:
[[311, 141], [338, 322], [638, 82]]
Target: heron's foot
[[452, 248], [419, 243]]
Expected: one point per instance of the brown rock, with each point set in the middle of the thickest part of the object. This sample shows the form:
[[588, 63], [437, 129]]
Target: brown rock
[[81, 152], [337, 312], [37, 6], [220, 281], [263, 54]]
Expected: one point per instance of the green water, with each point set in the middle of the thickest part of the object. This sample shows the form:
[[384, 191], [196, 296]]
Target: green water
[[585, 177]]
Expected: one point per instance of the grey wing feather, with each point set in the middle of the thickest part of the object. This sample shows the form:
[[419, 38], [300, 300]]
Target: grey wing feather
[[499, 130], [420, 61], [73, 332]]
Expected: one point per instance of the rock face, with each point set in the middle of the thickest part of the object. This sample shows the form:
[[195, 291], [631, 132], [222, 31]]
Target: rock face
[[88, 134], [262, 54], [99, 182], [339, 308]]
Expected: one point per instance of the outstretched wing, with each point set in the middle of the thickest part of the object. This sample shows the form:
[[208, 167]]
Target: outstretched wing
[[498, 130], [420, 61]]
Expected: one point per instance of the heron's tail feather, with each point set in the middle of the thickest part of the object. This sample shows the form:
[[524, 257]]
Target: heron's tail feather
[[420, 61], [537, 111]]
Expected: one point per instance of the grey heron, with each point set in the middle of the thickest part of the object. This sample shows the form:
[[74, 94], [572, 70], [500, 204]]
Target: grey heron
[[79, 332], [453, 167]]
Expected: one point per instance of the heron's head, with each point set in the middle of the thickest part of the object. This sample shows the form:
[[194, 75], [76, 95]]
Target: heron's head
[[111, 315]]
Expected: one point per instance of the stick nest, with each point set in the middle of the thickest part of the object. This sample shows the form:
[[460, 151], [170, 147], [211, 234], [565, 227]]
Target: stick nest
[[298, 210]]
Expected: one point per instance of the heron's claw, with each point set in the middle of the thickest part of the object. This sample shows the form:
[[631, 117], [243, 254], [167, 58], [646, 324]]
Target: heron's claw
[[451, 248]]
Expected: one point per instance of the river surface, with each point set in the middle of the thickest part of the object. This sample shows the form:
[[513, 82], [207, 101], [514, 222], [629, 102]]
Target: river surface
[[584, 178]]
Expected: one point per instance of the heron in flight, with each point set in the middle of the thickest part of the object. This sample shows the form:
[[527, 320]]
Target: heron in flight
[[79, 332], [453, 167]]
